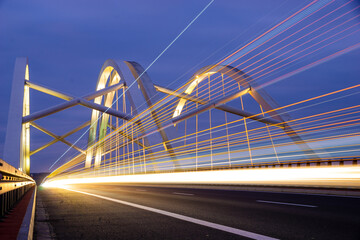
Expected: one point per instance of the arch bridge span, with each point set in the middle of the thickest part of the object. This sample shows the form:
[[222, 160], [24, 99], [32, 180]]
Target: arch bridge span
[[217, 119]]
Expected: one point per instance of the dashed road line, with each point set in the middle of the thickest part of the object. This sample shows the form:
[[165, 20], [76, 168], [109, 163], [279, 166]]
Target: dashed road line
[[285, 203], [185, 194]]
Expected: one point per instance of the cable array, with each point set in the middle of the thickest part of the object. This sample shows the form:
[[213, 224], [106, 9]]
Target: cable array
[[322, 127]]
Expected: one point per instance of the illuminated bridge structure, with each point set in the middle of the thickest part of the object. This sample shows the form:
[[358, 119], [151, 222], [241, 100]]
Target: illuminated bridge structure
[[161, 155], [219, 119]]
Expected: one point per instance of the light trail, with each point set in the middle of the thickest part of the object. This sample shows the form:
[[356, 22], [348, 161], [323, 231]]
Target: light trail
[[310, 8], [316, 176], [314, 98], [311, 65], [320, 27], [282, 133], [303, 50], [295, 60], [272, 29], [298, 31], [287, 154], [320, 127]]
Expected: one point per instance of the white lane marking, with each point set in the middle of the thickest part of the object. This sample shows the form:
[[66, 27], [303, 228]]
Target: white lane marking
[[284, 203], [140, 190], [297, 193], [183, 217], [185, 194]]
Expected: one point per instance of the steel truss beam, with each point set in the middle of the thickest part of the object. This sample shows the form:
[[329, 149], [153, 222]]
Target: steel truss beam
[[209, 105], [219, 106], [49, 91], [69, 97], [180, 95], [59, 138], [73, 101]]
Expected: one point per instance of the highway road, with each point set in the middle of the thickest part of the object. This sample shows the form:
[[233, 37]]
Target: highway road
[[116, 211]]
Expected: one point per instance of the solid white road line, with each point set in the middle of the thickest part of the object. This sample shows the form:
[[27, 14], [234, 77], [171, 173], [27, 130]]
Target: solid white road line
[[284, 203], [297, 193], [184, 218], [185, 194], [140, 190]]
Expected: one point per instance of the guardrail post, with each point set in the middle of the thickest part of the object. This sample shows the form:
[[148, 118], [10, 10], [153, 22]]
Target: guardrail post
[[2, 205], [7, 201], [11, 200]]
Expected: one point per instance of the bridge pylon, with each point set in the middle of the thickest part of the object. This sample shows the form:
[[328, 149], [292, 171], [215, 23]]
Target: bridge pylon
[[17, 141]]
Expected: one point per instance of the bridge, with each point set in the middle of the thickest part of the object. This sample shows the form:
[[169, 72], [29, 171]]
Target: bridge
[[217, 157]]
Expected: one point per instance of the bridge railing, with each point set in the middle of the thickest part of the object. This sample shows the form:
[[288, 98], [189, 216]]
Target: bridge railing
[[307, 163], [13, 185]]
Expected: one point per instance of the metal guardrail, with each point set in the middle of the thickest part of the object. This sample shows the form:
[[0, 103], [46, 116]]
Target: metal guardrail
[[307, 163], [13, 185], [288, 164], [295, 163]]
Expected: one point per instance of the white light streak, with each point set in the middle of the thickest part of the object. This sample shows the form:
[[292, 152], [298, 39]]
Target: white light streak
[[345, 176]]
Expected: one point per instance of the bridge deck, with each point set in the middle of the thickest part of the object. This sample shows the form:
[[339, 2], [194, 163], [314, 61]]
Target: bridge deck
[[279, 215]]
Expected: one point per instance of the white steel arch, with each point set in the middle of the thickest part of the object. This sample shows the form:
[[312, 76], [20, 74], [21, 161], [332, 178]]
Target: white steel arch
[[141, 96], [259, 95]]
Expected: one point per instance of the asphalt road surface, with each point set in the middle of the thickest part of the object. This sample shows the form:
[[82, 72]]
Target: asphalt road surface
[[114, 211]]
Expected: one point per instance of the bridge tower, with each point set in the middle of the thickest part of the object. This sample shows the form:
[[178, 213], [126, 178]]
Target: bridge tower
[[17, 141]]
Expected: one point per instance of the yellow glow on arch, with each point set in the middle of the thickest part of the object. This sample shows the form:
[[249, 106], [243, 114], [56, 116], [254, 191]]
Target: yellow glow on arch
[[189, 90], [26, 127], [109, 76], [27, 72]]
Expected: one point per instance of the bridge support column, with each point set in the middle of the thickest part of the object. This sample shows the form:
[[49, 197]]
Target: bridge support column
[[17, 141]]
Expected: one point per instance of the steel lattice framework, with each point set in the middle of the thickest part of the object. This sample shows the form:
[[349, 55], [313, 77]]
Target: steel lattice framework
[[142, 107]]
